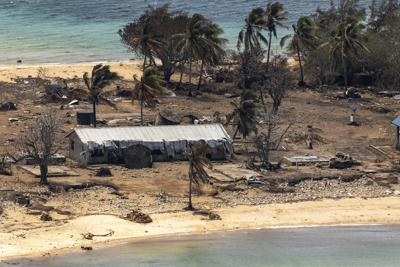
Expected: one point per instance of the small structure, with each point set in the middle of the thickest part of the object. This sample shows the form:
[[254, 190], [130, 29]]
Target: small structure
[[396, 122], [305, 160], [84, 117], [165, 143]]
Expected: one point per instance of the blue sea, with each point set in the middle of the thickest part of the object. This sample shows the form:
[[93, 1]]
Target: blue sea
[[73, 31]]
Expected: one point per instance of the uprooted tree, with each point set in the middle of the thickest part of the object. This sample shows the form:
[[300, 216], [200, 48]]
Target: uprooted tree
[[41, 141]]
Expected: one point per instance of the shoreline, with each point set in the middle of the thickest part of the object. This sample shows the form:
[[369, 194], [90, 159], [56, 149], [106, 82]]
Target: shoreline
[[61, 239]]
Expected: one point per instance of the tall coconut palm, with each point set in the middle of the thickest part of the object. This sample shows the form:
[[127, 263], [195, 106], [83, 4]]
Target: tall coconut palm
[[198, 161], [303, 38], [275, 15], [147, 88], [346, 42], [251, 35], [212, 49], [244, 115], [101, 77], [143, 42], [191, 41]]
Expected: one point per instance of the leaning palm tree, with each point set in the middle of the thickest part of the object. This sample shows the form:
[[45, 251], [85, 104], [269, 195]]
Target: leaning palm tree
[[198, 161], [275, 15], [100, 78], [147, 88], [244, 115], [143, 42], [347, 42], [191, 41], [303, 38], [212, 49], [251, 35]]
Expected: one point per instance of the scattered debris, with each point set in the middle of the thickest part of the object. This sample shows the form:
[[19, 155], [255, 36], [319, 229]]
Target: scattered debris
[[139, 217], [89, 236], [305, 160], [23, 200], [212, 216], [342, 161], [13, 119], [103, 172], [8, 106], [45, 217]]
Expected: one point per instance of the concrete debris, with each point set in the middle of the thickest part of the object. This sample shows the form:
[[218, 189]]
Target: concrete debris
[[13, 119]]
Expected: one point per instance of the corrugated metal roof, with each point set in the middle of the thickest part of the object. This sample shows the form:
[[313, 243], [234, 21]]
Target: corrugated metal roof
[[153, 133], [396, 121]]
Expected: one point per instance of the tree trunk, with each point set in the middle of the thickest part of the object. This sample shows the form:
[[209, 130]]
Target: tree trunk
[[43, 173], [141, 106], [344, 75], [269, 50], [94, 113], [181, 77], [144, 62], [301, 82], [190, 73], [236, 132], [201, 71], [190, 205]]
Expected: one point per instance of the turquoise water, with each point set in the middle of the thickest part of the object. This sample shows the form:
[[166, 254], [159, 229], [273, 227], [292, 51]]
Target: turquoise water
[[71, 31], [354, 246]]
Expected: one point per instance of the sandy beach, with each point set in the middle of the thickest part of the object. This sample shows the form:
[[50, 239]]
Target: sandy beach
[[125, 69], [65, 236]]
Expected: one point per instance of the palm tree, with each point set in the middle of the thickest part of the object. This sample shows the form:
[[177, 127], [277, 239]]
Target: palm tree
[[143, 42], [213, 50], [251, 34], [190, 42], [244, 115], [147, 88], [346, 42], [304, 37], [274, 17], [100, 78], [198, 161]]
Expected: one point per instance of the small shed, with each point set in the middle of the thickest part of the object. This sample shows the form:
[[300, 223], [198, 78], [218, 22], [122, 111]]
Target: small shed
[[166, 143], [396, 122]]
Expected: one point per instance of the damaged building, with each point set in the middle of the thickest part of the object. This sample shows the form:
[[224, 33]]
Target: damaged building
[[140, 146]]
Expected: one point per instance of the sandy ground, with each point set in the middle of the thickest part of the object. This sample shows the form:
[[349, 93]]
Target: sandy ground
[[44, 240], [322, 110], [125, 69]]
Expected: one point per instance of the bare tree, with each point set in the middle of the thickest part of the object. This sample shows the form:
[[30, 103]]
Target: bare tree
[[276, 83], [42, 140]]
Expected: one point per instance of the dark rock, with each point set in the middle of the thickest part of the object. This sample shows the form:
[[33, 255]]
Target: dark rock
[[23, 200], [45, 217], [139, 217], [103, 172], [86, 248], [8, 106]]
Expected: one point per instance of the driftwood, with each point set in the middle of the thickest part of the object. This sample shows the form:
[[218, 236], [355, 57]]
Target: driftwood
[[89, 236]]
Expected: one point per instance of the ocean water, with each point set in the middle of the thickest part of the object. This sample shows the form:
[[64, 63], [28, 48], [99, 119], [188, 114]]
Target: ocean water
[[72, 31], [355, 246]]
